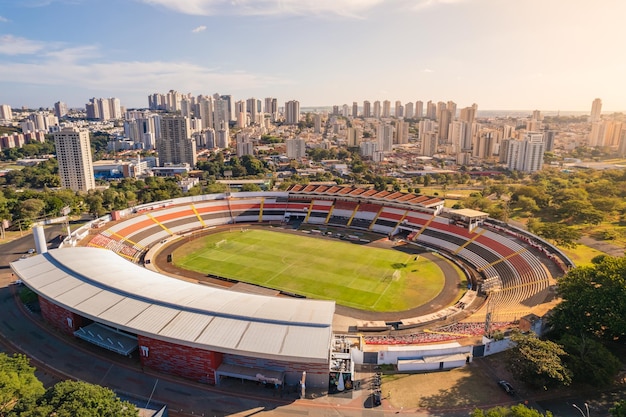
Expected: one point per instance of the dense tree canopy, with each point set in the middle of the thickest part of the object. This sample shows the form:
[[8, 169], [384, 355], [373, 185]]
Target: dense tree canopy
[[594, 300], [75, 398], [17, 380], [619, 409], [519, 410], [589, 360], [537, 362]]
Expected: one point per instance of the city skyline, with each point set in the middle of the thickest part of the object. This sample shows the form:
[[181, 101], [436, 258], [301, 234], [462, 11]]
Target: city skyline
[[545, 55]]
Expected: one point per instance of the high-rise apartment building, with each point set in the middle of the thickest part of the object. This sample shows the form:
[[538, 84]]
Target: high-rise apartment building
[[205, 104], [355, 109], [386, 108], [292, 112], [445, 118], [419, 109], [172, 101], [252, 107], [230, 115], [353, 137], [408, 110], [175, 144], [220, 114], [142, 128], [596, 110], [428, 143], [484, 145], [451, 105], [5, 112], [385, 137], [402, 132], [317, 123], [296, 148], [271, 108], [458, 137], [548, 138], [73, 151], [367, 109], [526, 155], [60, 109], [40, 121], [241, 114], [105, 109], [377, 109], [399, 109], [441, 106], [431, 110]]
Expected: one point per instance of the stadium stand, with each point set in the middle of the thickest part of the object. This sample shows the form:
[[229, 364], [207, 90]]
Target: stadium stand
[[510, 257]]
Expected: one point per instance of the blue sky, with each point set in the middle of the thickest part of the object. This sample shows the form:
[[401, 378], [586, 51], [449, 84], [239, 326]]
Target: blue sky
[[501, 54]]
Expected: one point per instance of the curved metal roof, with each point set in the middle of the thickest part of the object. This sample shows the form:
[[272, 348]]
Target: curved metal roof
[[100, 285]]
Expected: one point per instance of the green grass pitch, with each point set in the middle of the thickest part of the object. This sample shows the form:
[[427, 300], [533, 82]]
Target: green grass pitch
[[351, 274]]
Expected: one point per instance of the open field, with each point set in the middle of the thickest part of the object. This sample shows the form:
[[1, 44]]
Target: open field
[[469, 386], [352, 274], [581, 255]]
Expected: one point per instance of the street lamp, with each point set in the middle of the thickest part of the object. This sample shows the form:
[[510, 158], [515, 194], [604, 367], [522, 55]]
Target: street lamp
[[581, 411]]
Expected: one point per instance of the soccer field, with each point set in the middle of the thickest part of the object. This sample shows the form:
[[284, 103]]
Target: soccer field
[[352, 274]]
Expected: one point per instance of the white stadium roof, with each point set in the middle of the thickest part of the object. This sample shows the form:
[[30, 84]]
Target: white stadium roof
[[102, 286]]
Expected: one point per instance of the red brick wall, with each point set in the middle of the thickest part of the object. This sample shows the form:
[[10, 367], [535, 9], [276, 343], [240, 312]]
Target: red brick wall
[[58, 317], [184, 361], [317, 374]]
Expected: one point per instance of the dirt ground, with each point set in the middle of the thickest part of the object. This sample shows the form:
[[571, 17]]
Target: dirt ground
[[471, 386]]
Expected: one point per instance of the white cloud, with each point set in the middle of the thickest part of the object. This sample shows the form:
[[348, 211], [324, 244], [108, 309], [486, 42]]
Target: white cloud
[[199, 29], [80, 66], [3, 19], [350, 8], [425, 4], [12, 45], [427, 70]]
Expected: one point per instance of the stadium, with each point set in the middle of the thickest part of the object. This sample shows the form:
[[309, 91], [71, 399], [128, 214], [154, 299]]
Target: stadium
[[210, 328]]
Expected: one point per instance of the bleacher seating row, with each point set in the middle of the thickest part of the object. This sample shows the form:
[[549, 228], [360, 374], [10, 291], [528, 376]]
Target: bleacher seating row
[[523, 276]]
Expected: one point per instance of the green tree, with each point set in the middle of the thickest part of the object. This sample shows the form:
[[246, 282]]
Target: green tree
[[250, 187], [253, 165], [594, 300], [562, 234], [527, 204], [538, 362], [94, 202], [31, 208], [17, 380], [518, 410], [619, 409], [588, 359], [75, 398]]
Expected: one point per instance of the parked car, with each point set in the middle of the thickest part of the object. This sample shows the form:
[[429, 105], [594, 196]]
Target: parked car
[[507, 387]]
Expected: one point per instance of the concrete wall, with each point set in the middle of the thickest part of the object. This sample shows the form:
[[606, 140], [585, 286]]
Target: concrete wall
[[496, 346], [393, 353]]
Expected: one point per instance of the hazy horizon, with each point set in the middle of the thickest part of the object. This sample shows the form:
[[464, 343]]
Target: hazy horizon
[[499, 54]]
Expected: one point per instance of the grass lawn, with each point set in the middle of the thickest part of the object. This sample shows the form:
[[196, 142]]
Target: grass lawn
[[581, 255], [353, 275]]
